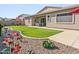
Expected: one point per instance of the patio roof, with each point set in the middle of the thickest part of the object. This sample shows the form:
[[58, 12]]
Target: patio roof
[[75, 9], [48, 9], [66, 8]]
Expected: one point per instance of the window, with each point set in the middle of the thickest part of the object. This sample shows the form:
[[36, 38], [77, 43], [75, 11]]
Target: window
[[64, 17], [66, 14], [49, 20]]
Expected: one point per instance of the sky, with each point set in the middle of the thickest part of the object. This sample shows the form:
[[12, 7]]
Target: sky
[[13, 10]]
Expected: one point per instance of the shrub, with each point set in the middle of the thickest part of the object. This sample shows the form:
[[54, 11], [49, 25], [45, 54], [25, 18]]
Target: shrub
[[0, 29], [48, 45]]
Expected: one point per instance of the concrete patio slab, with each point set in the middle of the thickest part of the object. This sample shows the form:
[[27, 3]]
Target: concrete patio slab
[[68, 37]]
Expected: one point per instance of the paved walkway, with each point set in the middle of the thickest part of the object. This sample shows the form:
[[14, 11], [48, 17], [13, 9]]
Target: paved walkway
[[68, 37]]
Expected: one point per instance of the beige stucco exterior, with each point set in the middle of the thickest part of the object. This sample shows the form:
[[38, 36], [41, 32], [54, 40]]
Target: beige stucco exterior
[[53, 16], [73, 25], [28, 22]]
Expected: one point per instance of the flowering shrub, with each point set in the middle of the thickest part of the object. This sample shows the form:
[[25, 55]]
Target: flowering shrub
[[10, 41], [7, 41], [14, 33], [18, 37], [16, 48]]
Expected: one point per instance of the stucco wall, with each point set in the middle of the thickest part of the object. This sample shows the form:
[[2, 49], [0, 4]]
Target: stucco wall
[[66, 25], [54, 15], [28, 22], [11, 22], [63, 24]]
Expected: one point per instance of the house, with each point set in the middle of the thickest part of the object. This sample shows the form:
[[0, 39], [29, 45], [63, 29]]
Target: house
[[57, 17], [20, 19]]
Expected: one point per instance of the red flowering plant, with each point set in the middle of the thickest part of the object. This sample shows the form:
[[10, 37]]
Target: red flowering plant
[[16, 48], [7, 41], [16, 34], [13, 40]]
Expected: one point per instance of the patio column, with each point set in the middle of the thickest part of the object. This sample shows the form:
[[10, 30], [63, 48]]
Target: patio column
[[40, 21], [33, 22], [73, 18], [46, 19], [56, 18]]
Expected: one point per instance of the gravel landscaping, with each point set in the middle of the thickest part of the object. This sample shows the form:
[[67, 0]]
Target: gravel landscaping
[[35, 46]]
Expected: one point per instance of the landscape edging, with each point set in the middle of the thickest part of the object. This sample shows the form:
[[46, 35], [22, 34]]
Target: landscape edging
[[28, 36]]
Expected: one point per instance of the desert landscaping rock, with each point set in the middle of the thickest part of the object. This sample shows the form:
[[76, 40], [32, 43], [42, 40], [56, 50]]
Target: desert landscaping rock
[[34, 46], [37, 48]]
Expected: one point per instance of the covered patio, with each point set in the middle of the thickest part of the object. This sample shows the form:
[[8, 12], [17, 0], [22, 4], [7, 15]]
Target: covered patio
[[39, 20]]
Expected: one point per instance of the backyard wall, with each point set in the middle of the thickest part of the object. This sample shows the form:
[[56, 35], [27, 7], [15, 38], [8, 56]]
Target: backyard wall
[[11, 22]]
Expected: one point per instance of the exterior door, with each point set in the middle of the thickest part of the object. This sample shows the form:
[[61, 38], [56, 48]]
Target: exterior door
[[43, 22]]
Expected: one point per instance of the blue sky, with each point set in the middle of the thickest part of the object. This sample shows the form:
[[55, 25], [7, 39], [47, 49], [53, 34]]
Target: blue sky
[[13, 10]]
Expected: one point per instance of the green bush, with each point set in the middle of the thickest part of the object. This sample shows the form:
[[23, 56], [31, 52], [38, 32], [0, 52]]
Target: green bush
[[48, 45], [0, 29]]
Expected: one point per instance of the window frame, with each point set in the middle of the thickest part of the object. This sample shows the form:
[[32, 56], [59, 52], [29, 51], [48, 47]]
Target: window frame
[[65, 14]]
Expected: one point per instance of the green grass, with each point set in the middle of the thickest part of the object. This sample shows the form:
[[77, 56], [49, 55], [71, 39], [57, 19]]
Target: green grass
[[35, 32]]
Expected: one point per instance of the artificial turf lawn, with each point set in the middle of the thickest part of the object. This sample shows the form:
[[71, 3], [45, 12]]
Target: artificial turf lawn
[[35, 32]]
